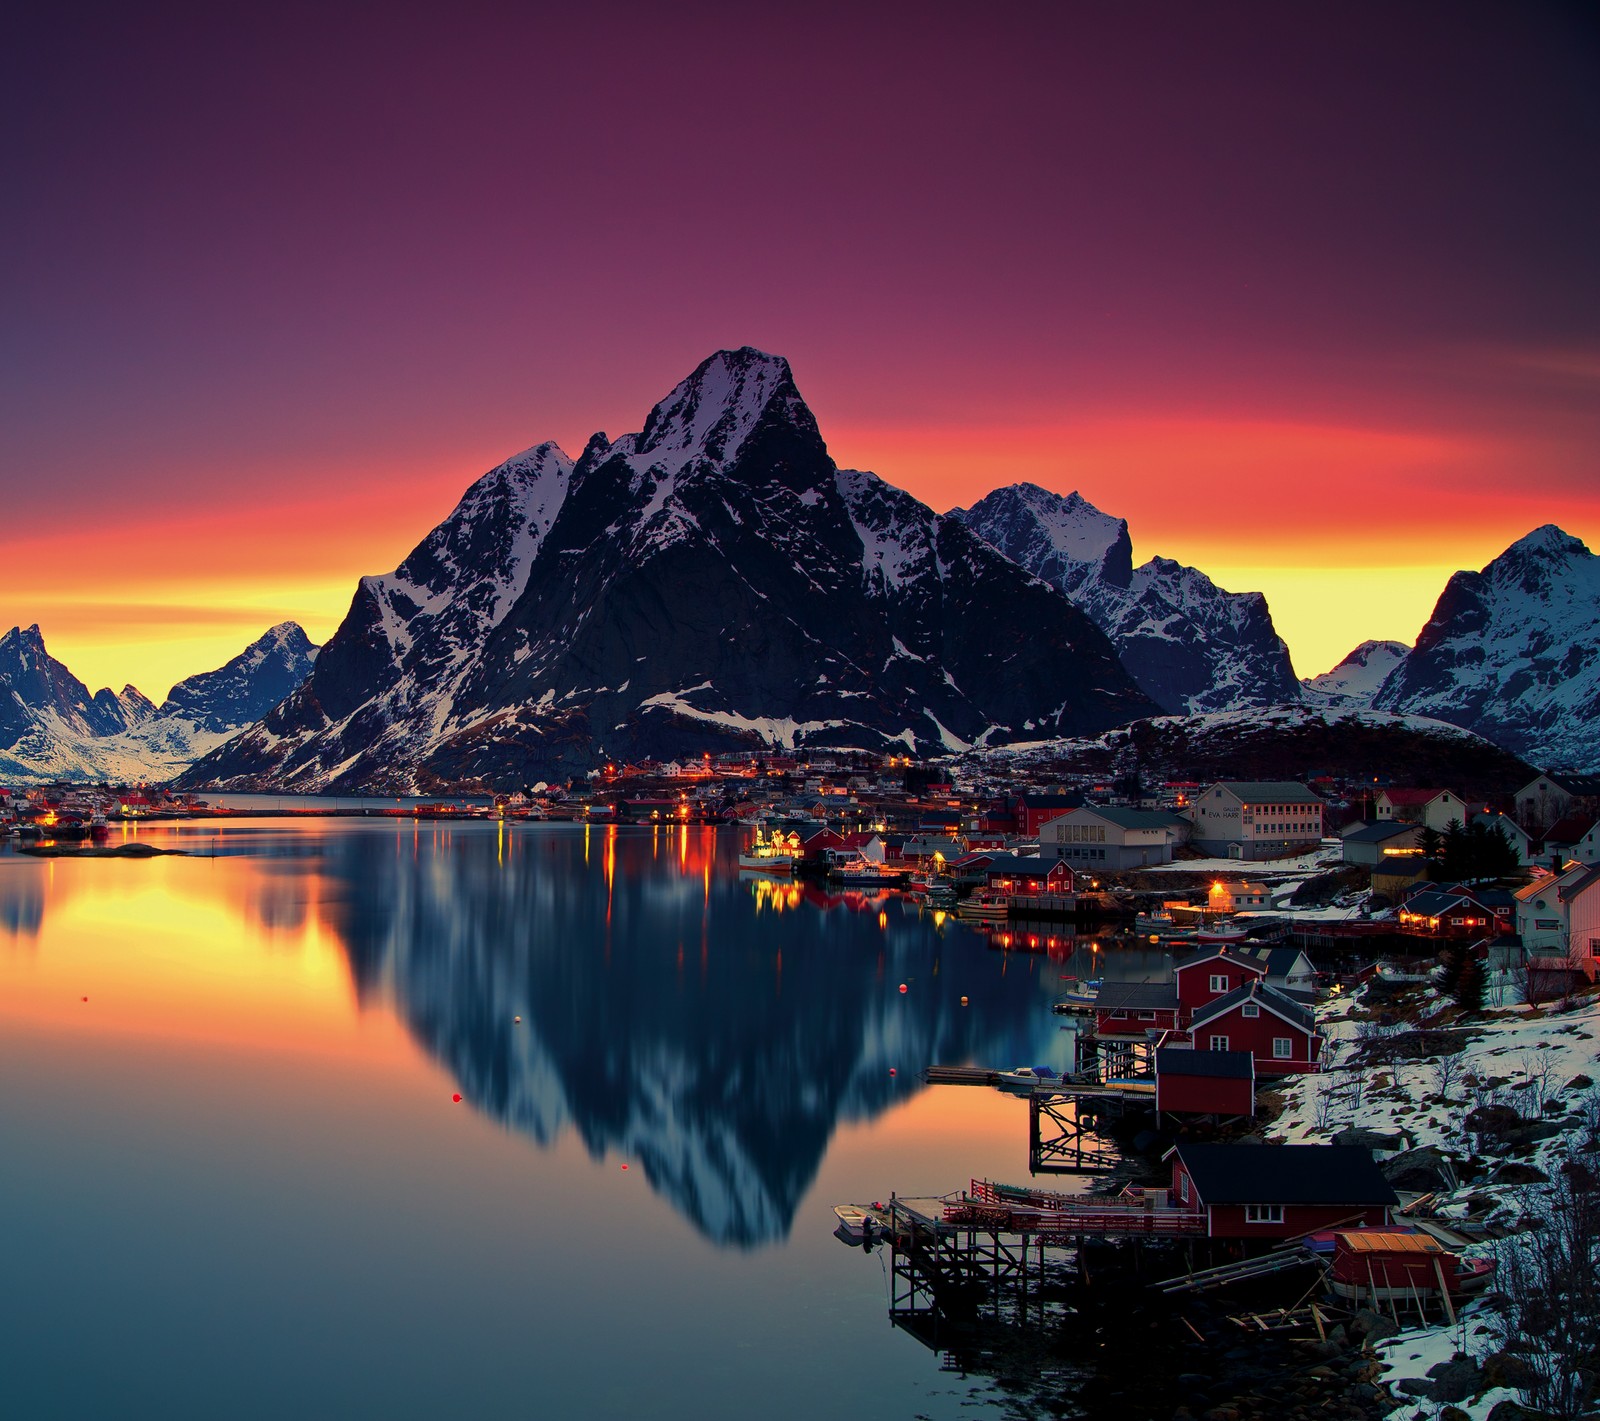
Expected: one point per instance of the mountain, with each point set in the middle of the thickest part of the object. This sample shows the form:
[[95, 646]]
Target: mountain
[[1355, 680], [1191, 646], [713, 582], [1513, 652], [52, 728], [247, 687]]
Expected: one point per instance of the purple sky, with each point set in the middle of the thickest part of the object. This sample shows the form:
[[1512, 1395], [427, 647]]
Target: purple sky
[[279, 281]]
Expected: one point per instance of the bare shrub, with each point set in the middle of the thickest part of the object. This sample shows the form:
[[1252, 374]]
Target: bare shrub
[[1445, 1071], [1549, 1276]]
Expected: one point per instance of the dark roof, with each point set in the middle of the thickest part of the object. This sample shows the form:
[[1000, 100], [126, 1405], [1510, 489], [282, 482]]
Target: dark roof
[[1432, 904], [1265, 996], [1381, 832], [1566, 892], [1221, 1065], [1270, 791], [1137, 996], [1135, 818], [1025, 865], [1579, 786], [1278, 960], [1052, 801], [1569, 830], [1285, 1174], [1226, 952]]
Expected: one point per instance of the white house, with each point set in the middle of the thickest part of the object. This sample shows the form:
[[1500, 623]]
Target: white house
[[1432, 808], [1544, 920], [1553, 797], [1099, 837], [1246, 819]]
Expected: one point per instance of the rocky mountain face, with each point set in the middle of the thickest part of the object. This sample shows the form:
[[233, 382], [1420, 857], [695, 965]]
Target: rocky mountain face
[[52, 728], [1191, 646], [1354, 682], [712, 582], [247, 687], [1513, 652]]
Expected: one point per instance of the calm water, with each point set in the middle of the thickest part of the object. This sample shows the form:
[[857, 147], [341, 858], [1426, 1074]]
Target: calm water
[[233, 1181]]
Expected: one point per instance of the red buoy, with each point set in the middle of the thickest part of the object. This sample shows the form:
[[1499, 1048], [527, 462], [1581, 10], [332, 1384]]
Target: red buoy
[[902, 987], [456, 1098]]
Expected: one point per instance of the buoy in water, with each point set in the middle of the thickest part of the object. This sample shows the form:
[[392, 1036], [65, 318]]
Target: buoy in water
[[517, 1019], [624, 1166], [891, 1070], [902, 986], [456, 1098], [963, 1001]]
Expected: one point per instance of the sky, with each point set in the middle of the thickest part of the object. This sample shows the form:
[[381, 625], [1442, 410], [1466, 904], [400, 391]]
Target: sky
[[1306, 293]]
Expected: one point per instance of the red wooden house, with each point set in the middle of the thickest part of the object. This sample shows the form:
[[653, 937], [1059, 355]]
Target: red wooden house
[[1203, 979], [1192, 1082], [1279, 1032], [1012, 875], [1271, 1192], [1130, 1011]]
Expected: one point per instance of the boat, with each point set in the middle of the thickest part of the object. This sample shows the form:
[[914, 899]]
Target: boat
[[985, 907], [1078, 997], [774, 853], [856, 1224], [1027, 1078], [858, 871]]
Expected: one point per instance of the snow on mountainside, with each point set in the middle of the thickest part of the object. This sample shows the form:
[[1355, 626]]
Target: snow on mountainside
[[1190, 645], [1298, 743], [51, 728], [1513, 652], [712, 582], [1357, 679]]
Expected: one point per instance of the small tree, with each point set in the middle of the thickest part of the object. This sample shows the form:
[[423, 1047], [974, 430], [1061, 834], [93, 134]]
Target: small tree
[[1468, 991], [1446, 1070]]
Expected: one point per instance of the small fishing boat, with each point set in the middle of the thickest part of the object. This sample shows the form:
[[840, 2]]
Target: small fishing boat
[[1027, 1078], [984, 907], [854, 1222]]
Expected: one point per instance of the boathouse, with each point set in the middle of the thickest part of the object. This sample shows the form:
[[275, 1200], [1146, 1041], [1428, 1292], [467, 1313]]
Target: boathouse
[[1190, 1082], [1270, 1192], [1134, 1011], [1279, 1032]]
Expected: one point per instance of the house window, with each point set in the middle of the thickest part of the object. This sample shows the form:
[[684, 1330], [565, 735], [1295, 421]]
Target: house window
[[1183, 1187], [1282, 1048], [1263, 1213], [1147, 1016], [1219, 982], [1219, 1043], [1250, 1009]]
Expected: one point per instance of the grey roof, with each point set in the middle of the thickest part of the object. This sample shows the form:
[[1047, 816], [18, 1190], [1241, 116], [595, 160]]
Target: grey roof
[[1277, 960], [1216, 1065], [1136, 818], [1136, 996], [1380, 832], [1266, 997], [1285, 1174], [1255, 791]]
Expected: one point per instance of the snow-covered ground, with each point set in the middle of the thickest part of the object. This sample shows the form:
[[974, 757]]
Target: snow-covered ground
[[1541, 1062]]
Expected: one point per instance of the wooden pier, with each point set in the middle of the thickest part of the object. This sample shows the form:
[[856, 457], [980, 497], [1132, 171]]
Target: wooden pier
[[990, 1248]]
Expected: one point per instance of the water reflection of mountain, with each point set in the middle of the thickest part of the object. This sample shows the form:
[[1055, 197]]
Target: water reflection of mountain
[[714, 1031], [22, 892]]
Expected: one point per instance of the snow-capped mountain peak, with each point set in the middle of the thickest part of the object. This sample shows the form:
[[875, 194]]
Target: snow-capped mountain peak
[[1190, 645], [1513, 652], [1357, 679], [709, 582], [1067, 541]]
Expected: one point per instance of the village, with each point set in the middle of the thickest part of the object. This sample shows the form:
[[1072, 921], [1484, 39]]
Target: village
[[1391, 988]]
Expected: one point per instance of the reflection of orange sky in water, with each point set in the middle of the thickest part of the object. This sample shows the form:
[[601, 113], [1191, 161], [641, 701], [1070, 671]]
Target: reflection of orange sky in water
[[160, 952]]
